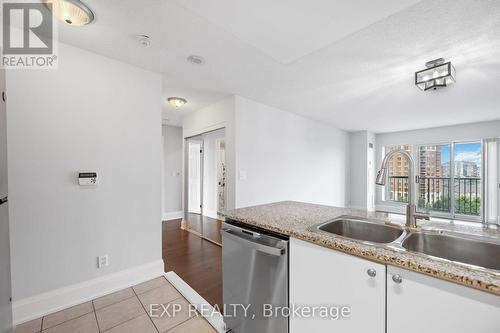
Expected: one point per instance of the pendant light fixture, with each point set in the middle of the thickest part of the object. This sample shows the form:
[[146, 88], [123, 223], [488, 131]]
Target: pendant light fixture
[[177, 101], [72, 12], [438, 74]]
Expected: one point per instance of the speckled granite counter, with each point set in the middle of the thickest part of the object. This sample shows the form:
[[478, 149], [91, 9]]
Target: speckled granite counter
[[295, 219]]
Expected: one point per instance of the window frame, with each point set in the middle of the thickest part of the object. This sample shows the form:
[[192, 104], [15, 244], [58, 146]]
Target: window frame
[[415, 147]]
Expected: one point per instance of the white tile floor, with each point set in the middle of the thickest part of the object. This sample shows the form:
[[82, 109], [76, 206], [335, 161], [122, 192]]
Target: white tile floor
[[125, 311]]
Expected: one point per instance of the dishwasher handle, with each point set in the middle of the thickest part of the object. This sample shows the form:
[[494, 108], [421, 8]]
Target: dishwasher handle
[[271, 250]]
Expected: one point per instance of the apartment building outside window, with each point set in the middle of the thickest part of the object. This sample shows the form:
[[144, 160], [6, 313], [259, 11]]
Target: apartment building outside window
[[450, 176]]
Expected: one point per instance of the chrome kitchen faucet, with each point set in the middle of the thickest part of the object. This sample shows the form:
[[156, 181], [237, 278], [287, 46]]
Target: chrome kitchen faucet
[[411, 209]]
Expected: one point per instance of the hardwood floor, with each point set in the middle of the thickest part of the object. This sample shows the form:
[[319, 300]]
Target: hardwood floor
[[195, 260], [211, 227]]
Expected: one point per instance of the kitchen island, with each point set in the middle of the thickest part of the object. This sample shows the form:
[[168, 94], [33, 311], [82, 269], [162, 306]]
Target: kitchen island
[[389, 288], [297, 219]]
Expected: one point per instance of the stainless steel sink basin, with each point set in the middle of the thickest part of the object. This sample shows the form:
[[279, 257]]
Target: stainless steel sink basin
[[362, 230], [468, 251]]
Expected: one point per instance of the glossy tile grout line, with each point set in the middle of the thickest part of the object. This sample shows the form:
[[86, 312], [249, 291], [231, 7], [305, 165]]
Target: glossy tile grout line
[[95, 316], [121, 322], [149, 317]]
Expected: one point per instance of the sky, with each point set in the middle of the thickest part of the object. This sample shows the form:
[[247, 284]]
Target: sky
[[463, 152]]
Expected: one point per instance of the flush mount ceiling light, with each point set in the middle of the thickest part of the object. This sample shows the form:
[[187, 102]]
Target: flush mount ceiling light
[[73, 12], [176, 101], [438, 74], [195, 59]]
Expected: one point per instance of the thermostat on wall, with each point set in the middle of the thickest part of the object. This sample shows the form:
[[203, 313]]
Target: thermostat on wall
[[87, 178]]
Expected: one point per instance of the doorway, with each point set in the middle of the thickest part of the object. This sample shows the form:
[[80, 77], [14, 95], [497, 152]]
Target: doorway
[[194, 183], [205, 184]]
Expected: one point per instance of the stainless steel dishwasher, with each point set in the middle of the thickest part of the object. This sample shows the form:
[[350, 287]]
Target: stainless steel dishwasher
[[255, 275]]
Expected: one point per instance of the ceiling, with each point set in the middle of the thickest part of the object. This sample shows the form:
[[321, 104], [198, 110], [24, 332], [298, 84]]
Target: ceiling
[[349, 63], [288, 30]]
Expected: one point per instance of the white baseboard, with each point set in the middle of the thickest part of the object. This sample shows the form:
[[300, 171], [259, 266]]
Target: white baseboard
[[55, 300], [215, 319], [173, 215]]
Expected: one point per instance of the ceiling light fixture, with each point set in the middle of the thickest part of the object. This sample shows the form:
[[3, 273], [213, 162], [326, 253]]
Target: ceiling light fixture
[[176, 101], [438, 74], [195, 59], [73, 12]]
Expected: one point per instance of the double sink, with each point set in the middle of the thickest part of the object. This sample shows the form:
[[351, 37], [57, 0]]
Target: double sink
[[457, 248]]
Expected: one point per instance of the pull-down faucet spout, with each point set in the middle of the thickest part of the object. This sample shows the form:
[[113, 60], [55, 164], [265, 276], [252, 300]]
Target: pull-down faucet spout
[[411, 209]]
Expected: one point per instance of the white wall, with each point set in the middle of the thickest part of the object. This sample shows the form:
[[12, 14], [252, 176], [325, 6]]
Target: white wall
[[472, 131], [212, 117], [288, 157], [91, 114], [466, 132], [358, 165], [284, 156], [362, 160], [172, 171], [216, 116], [371, 163]]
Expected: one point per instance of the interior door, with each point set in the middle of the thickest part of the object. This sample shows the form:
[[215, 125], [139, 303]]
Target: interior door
[[194, 176], [194, 213], [5, 283], [212, 184], [221, 176]]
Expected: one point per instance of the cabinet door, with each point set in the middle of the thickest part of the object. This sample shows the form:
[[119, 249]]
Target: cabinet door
[[420, 303], [320, 276]]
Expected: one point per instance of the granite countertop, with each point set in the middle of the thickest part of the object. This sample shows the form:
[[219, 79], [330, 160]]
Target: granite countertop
[[296, 219]]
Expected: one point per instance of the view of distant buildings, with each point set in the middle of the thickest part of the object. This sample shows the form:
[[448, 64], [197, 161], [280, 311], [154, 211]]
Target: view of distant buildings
[[430, 165], [435, 178], [399, 175], [463, 169]]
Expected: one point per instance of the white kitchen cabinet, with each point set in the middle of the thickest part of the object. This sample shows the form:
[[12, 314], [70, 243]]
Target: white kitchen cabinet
[[420, 303], [321, 276]]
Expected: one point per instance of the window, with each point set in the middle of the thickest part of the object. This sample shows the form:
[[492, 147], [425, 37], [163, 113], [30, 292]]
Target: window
[[468, 178], [450, 178], [398, 175], [434, 179]]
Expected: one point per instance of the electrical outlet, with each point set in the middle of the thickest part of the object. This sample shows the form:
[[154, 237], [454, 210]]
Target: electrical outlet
[[102, 261]]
